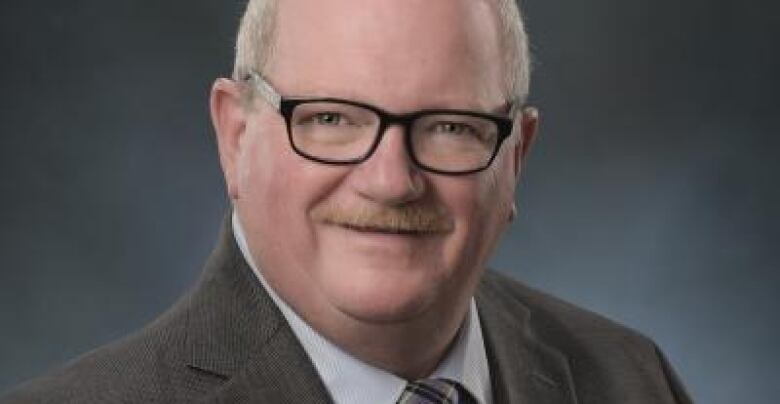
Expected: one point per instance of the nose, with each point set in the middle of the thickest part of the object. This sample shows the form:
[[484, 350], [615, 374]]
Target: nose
[[389, 176]]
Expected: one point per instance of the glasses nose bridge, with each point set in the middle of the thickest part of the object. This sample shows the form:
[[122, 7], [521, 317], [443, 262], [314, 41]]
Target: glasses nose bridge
[[388, 120]]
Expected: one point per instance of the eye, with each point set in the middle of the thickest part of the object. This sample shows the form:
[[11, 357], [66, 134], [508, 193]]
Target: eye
[[328, 118], [452, 128]]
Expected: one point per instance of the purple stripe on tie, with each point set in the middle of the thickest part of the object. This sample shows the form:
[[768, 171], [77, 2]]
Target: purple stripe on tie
[[435, 391]]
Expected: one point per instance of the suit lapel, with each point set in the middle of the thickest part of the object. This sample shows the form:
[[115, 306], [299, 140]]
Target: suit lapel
[[523, 369], [279, 373], [236, 336]]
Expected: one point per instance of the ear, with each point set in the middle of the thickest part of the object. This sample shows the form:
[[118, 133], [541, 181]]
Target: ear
[[529, 123], [228, 116]]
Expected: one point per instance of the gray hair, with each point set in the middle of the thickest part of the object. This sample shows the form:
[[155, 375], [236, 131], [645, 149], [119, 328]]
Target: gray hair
[[255, 43]]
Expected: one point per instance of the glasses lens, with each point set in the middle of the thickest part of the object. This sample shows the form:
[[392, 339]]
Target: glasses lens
[[333, 131], [454, 142]]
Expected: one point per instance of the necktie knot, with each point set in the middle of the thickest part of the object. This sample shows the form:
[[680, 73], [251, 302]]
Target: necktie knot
[[435, 391]]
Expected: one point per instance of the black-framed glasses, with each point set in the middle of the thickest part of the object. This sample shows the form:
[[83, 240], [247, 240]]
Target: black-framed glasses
[[338, 131]]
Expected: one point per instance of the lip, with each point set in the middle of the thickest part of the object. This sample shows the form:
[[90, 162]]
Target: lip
[[381, 231]]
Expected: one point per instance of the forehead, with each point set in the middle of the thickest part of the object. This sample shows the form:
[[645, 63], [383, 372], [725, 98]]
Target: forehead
[[438, 51]]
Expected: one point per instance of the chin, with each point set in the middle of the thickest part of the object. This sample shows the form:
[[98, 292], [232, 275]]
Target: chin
[[383, 296]]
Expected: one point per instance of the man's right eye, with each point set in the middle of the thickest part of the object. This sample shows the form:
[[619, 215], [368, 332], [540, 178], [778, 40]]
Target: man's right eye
[[328, 118]]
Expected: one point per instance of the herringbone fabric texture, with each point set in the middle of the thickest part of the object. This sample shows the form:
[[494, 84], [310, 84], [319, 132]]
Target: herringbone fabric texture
[[435, 391]]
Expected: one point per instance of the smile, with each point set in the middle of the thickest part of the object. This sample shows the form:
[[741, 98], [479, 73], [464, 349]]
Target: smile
[[383, 229]]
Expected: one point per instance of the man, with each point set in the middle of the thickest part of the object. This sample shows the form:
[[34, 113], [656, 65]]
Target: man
[[371, 150]]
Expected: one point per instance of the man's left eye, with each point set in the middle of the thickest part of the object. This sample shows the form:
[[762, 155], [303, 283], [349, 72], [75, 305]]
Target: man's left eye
[[453, 128]]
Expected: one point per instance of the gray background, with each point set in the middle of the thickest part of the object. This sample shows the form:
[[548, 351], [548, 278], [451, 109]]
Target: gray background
[[650, 197]]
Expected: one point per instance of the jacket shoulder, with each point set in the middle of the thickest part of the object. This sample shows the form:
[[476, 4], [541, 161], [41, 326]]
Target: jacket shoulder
[[608, 361], [134, 369], [548, 314]]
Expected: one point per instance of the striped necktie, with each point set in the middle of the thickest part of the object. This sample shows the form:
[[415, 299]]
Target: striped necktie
[[435, 391]]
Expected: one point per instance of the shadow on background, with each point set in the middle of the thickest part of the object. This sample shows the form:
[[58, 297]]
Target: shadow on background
[[651, 196]]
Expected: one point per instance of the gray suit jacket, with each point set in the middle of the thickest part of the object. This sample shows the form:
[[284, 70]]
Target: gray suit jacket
[[226, 342]]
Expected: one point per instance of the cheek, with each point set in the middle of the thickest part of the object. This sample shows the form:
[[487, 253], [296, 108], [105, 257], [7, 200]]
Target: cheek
[[278, 189], [480, 206], [267, 193], [480, 200], [269, 171]]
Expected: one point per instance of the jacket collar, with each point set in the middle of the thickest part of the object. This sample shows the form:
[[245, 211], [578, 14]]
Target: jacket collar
[[523, 368]]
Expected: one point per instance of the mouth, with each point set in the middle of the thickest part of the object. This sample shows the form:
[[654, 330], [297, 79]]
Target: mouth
[[383, 229]]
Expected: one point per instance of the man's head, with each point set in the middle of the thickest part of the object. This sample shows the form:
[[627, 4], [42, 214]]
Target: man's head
[[255, 43], [384, 240]]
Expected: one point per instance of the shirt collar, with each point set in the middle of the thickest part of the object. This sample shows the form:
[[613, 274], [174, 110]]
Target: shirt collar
[[350, 380]]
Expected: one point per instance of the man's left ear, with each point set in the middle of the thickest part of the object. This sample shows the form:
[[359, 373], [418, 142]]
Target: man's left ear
[[528, 125]]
